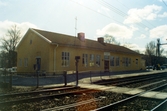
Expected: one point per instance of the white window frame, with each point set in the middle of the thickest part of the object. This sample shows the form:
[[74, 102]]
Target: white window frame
[[117, 61], [25, 62], [98, 60], [65, 59], [85, 59], [91, 61], [112, 61], [126, 62]]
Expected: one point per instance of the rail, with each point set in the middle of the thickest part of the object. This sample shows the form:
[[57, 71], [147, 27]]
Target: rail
[[40, 97], [108, 107]]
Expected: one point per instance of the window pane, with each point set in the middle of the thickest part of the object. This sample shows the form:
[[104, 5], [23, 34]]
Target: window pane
[[111, 61], [65, 59], [97, 60], [85, 59]]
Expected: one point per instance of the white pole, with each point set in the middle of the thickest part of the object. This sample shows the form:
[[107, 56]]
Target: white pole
[[75, 25]]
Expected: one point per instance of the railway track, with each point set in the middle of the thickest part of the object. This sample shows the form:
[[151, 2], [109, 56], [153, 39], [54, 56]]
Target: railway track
[[32, 94], [136, 102], [66, 94], [97, 101], [83, 99], [161, 106], [75, 105], [92, 102], [132, 82]]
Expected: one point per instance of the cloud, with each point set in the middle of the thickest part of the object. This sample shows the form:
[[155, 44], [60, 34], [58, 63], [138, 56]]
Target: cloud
[[116, 30], [159, 32], [163, 0], [149, 12], [6, 25], [104, 10], [163, 15], [3, 3], [134, 47], [146, 29], [142, 36]]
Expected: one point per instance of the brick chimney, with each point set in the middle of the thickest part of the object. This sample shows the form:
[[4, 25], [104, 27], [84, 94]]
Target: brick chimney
[[81, 36], [101, 40]]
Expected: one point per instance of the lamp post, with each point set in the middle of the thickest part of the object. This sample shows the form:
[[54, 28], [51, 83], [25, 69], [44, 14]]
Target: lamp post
[[38, 63], [76, 63]]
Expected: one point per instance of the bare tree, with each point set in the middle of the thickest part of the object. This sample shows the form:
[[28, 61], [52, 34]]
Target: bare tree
[[138, 51], [110, 39], [9, 42], [150, 53], [3, 58], [162, 50], [128, 45], [151, 48]]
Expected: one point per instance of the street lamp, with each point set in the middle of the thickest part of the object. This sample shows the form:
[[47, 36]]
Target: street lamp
[[76, 63]]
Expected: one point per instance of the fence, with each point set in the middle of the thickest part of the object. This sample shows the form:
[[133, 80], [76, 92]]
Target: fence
[[52, 78]]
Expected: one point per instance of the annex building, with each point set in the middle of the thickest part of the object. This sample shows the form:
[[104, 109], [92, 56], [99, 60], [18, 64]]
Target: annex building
[[53, 52]]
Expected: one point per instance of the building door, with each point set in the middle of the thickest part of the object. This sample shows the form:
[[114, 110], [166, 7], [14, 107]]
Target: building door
[[106, 65], [106, 61]]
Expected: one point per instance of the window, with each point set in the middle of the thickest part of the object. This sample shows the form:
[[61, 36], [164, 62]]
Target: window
[[25, 62], [85, 59], [129, 61], [30, 42], [111, 61], [91, 60], [136, 61], [65, 59], [126, 62], [117, 61], [20, 63], [98, 60]]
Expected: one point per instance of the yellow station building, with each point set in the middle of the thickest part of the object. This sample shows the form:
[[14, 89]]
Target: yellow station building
[[56, 52]]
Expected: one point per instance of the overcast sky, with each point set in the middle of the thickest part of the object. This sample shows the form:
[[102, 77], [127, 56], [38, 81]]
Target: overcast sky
[[136, 22]]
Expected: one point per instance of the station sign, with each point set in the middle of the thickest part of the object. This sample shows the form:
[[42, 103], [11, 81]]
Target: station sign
[[107, 53]]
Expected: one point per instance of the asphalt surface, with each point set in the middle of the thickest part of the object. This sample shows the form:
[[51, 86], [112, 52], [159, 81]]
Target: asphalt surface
[[18, 80]]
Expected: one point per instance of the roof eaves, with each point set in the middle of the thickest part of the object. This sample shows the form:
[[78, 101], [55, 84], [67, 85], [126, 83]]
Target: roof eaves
[[43, 37], [21, 39]]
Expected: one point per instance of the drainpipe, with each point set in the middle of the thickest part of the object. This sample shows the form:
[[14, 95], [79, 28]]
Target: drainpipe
[[54, 64]]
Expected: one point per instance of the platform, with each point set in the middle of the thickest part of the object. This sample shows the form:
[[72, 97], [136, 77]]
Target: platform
[[124, 90], [88, 80], [85, 83]]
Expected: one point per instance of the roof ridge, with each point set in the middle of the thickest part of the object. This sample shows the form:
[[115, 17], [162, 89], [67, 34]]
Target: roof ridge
[[51, 32]]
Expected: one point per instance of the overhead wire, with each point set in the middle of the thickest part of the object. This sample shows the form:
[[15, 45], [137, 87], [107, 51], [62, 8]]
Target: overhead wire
[[121, 13], [136, 13], [111, 7], [164, 2], [96, 11], [116, 10]]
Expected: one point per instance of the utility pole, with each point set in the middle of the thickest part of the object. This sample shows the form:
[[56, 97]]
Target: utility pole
[[158, 51]]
